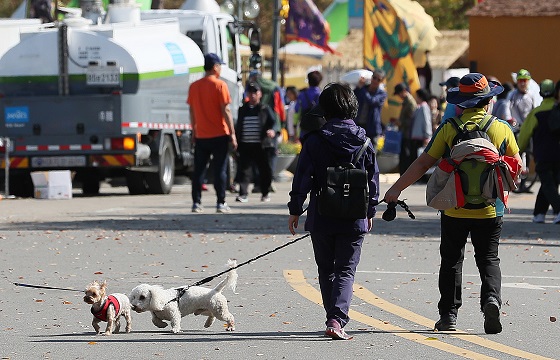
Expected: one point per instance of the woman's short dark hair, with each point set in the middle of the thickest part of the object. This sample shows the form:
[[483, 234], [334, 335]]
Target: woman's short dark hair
[[314, 78], [338, 101]]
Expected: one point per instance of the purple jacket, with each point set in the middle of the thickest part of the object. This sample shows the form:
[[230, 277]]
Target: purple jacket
[[339, 139]]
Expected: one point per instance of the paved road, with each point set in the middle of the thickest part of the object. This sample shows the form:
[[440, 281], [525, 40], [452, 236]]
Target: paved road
[[129, 240]]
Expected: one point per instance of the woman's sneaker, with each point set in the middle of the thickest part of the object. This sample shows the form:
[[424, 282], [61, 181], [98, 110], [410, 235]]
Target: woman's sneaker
[[335, 331]]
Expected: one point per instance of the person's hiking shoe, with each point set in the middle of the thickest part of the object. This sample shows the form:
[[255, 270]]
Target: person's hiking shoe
[[556, 219], [539, 218], [335, 332], [447, 322], [197, 208], [265, 198], [491, 312], [223, 208], [242, 199]]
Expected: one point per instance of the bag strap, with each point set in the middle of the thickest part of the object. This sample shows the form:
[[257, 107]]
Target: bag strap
[[454, 122], [358, 154], [364, 147], [483, 125]]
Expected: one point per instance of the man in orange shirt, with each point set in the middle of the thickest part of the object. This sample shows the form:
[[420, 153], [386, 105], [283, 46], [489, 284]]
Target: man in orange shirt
[[209, 100]]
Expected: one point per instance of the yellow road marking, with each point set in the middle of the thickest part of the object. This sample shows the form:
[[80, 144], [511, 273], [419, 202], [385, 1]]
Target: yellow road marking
[[375, 300], [296, 279]]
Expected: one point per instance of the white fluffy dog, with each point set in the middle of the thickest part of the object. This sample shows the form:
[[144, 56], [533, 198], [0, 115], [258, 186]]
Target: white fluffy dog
[[173, 304]]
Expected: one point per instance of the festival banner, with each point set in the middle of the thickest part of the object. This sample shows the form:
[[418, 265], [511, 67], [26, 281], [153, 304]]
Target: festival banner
[[306, 23], [387, 46]]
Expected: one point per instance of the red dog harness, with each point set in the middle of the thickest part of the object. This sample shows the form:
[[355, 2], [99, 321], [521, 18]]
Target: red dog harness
[[102, 314]]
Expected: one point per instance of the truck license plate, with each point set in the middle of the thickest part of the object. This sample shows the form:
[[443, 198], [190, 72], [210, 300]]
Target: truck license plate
[[103, 76], [58, 161]]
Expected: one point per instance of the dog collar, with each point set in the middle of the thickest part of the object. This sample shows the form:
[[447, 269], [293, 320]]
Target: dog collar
[[102, 314]]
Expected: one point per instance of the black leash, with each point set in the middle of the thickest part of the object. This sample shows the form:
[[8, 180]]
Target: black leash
[[45, 287], [181, 291], [388, 215]]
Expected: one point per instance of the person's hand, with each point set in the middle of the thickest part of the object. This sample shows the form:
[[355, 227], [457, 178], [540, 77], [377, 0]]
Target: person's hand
[[234, 141], [293, 221], [270, 133], [392, 195], [361, 81], [369, 224]]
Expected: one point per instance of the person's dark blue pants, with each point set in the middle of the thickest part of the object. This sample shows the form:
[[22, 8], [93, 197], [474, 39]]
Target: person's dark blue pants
[[549, 176], [337, 257], [204, 148], [485, 237]]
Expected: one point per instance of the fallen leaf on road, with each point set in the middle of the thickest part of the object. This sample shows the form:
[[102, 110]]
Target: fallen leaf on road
[[553, 319]]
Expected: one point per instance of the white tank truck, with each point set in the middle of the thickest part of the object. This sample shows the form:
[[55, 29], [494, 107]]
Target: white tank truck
[[107, 99]]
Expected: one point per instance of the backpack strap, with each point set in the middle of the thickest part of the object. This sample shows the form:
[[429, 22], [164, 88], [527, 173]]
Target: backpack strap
[[364, 147], [489, 120], [483, 125], [358, 154], [454, 121]]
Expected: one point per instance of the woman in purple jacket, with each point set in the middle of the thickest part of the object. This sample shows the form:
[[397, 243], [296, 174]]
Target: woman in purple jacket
[[336, 242]]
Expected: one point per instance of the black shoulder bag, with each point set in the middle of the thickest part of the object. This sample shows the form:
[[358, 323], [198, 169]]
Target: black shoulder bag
[[345, 194]]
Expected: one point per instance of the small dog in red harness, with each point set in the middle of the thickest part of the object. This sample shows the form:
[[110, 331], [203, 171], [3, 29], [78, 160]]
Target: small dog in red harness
[[107, 308]]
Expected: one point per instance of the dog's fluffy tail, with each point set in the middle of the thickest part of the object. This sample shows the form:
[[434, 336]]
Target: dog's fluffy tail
[[231, 279]]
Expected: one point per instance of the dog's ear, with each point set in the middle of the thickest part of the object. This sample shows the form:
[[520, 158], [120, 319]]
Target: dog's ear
[[157, 298]]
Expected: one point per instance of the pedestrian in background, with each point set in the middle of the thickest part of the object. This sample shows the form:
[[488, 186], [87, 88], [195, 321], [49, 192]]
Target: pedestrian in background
[[546, 152], [484, 224], [292, 122], [404, 122], [421, 131], [450, 109], [209, 100], [371, 99], [336, 242], [308, 98], [502, 108], [257, 129]]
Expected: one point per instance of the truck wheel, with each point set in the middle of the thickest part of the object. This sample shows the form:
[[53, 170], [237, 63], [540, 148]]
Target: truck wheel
[[135, 183], [162, 181], [21, 185], [90, 183]]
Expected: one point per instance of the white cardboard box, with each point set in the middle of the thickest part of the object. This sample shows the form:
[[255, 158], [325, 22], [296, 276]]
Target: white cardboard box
[[52, 184]]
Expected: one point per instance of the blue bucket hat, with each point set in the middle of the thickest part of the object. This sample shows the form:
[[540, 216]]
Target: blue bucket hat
[[473, 88]]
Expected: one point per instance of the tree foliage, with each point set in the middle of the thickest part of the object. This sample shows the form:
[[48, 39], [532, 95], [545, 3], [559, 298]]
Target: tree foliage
[[447, 14]]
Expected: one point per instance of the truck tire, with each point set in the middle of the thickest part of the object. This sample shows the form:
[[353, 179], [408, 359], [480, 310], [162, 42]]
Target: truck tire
[[90, 183], [135, 183], [21, 185], [162, 181]]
